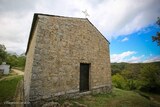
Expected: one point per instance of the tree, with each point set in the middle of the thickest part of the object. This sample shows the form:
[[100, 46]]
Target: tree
[[119, 81], [157, 37], [117, 67], [150, 78], [13, 60], [130, 73], [3, 53], [16, 60]]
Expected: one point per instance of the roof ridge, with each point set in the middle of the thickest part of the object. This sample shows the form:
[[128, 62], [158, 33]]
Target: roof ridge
[[58, 16]]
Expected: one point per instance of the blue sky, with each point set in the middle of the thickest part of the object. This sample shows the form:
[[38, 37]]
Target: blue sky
[[127, 24], [139, 46]]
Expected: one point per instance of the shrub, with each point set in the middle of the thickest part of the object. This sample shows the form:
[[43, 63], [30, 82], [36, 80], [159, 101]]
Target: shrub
[[119, 81]]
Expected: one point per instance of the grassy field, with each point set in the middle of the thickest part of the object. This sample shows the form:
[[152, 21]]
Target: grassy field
[[8, 88], [118, 98]]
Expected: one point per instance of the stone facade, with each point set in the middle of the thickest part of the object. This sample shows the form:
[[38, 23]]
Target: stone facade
[[56, 47]]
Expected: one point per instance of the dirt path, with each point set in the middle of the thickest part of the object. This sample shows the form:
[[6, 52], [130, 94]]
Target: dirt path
[[11, 76], [18, 72]]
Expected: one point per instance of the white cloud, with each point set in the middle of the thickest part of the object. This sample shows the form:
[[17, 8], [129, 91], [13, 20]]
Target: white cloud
[[17, 5], [14, 33], [129, 57], [122, 56], [125, 39], [112, 17], [152, 59], [122, 17], [135, 59]]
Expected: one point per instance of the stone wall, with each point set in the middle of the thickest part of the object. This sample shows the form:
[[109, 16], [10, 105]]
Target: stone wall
[[61, 45], [29, 65]]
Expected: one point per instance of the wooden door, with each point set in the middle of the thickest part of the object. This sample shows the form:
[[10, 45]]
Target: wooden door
[[84, 77]]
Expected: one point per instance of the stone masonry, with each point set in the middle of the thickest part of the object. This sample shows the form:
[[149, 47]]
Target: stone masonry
[[57, 45]]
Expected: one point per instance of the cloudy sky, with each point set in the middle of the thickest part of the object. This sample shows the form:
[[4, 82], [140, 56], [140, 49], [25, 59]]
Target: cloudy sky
[[127, 24]]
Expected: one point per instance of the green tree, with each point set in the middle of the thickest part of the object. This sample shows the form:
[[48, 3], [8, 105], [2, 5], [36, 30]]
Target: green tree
[[16, 60], [157, 37], [117, 67], [150, 78], [119, 81], [12, 60], [3, 53], [131, 73], [21, 61]]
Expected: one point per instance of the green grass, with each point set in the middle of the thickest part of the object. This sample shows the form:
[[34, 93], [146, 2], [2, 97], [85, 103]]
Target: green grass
[[8, 88], [153, 97], [118, 98]]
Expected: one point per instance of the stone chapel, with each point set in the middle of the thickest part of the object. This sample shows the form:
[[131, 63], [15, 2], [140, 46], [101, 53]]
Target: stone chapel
[[66, 57]]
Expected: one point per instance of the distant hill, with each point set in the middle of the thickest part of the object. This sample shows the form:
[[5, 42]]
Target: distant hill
[[119, 67]]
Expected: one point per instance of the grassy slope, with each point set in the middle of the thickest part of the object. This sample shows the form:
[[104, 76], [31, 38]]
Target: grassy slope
[[118, 98], [8, 88]]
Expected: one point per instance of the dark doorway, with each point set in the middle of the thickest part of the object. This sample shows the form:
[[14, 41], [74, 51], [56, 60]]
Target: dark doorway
[[84, 77]]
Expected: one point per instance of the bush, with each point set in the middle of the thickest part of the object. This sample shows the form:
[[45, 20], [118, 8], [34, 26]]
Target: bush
[[119, 81], [131, 84]]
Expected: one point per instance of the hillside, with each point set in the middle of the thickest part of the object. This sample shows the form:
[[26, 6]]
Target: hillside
[[137, 76], [119, 67]]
